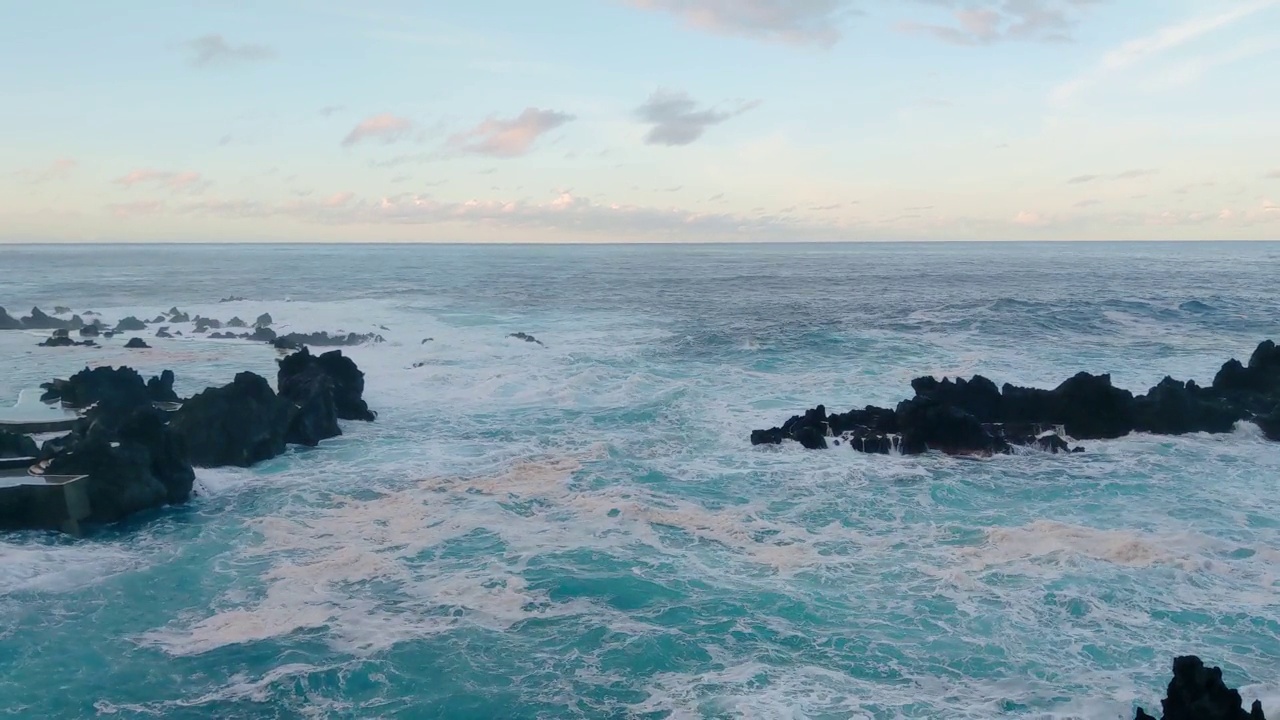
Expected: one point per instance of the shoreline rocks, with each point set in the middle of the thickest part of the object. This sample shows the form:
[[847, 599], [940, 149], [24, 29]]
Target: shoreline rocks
[[140, 455], [974, 417], [1197, 692]]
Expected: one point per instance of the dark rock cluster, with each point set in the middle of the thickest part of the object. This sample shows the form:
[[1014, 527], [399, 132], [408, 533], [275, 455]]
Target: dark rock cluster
[[1197, 692], [138, 451], [975, 417]]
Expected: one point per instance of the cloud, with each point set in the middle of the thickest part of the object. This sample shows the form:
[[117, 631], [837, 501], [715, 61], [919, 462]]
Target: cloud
[[824, 208], [57, 170], [1004, 20], [385, 127], [509, 138], [1088, 203], [798, 22], [1125, 175], [328, 110], [136, 208], [339, 199], [677, 120], [1150, 46], [1027, 218], [1273, 175], [188, 182], [564, 212], [214, 50]]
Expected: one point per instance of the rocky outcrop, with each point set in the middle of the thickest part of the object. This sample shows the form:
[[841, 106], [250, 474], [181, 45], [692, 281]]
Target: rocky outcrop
[[296, 341], [974, 417], [64, 341], [315, 415], [121, 386], [1197, 692], [264, 320], [134, 463], [204, 324], [137, 344], [236, 322], [37, 320], [130, 324], [237, 424], [90, 330], [160, 388], [262, 334], [8, 322], [164, 332], [177, 316], [342, 372]]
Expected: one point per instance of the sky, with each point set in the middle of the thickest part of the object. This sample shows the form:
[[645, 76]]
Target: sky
[[639, 120]]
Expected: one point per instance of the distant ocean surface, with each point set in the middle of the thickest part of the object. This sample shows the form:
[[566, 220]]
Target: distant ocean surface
[[584, 531]]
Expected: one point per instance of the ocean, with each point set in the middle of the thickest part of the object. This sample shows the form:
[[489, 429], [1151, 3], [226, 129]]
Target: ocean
[[583, 530]]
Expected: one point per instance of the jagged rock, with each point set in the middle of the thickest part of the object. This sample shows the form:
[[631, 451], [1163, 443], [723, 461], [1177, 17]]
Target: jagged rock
[[1197, 692], [61, 333], [526, 337], [8, 322], [1270, 424], [203, 324], [315, 415], [64, 341], [929, 425], [262, 334], [1176, 408], [136, 344], [75, 323], [90, 330], [147, 469], [13, 445], [130, 324], [123, 386], [164, 332], [347, 379], [294, 341], [160, 388], [37, 320], [236, 322], [158, 319], [61, 309], [237, 424], [177, 316], [264, 320]]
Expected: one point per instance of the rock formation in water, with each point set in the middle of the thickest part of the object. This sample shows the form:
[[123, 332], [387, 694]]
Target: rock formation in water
[[233, 298], [237, 424], [296, 341], [1197, 692], [526, 337], [264, 320], [37, 320], [130, 324], [137, 344], [8, 322], [341, 371], [975, 417]]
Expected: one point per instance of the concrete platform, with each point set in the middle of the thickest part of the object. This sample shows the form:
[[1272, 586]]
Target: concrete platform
[[30, 415], [36, 501]]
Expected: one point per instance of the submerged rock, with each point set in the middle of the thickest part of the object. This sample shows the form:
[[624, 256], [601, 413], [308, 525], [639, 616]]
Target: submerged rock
[[294, 341], [233, 298], [1197, 692], [61, 309], [137, 344], [64, 341], [130, 324], [164, 332], [90, 330], [526, 337]]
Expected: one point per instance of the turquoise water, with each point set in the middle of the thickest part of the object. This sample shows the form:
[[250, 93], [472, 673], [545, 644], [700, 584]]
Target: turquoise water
[[583, 530]]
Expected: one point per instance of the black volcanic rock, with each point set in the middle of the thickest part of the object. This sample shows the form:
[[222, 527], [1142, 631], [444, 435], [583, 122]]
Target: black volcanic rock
[[526, 337], [64, 341], [61, 309], [137, 344], [315, 415], [974, 417], [203, 324], [8, 322], [123, 386], [347, 379], [160, 388], [294, 341], [236, 322], [233, 298], [75, 323], [13, 445], [37, 320], [91, 330], [1175, 408], [262, 334], [164, 332], [1197, 692], [237, 424], [177, 316], [130, 324], [264, 320]]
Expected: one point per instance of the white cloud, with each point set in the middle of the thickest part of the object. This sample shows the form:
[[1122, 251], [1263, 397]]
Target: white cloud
[[676, 119], [1163, 40], [816, 22], [509, 138], [385, 127], [214, 50]]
